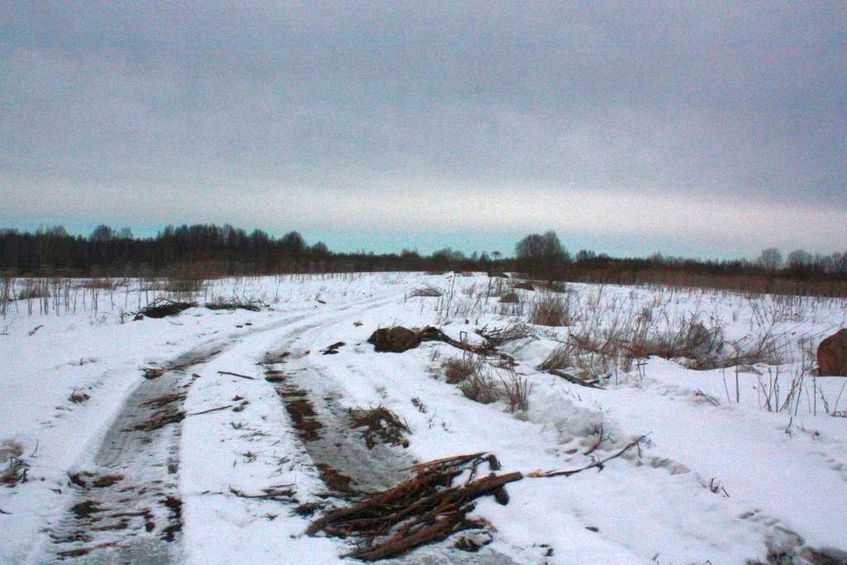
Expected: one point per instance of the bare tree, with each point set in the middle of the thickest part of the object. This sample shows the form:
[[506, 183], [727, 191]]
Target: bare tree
[[770, 259], [800, 257]]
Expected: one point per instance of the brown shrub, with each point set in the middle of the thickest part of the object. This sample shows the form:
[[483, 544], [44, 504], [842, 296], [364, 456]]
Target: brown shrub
[[550, 310], [515, 391], [479, 386], [457, 369], [510, 298]]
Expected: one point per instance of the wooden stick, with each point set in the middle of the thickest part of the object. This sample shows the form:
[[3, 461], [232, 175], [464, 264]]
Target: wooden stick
[[597, 464], [218, 409], [236, 375]]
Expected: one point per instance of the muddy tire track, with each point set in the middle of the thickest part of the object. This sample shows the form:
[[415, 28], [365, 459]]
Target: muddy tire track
[[125, 506], [347, 466], [340, 454]]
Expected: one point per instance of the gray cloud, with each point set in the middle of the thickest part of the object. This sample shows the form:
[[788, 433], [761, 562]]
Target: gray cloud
[[735, 104]]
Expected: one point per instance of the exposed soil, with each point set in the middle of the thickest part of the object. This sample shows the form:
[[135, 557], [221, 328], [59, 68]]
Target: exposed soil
[[301, 411]]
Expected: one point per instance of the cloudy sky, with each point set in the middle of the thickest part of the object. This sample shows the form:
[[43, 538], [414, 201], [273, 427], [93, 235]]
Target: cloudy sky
[[710, 129]]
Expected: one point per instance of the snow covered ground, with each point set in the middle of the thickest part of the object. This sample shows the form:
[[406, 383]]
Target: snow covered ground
[[742, 459]]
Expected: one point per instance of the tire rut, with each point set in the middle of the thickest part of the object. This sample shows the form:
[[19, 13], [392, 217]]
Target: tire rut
[[346, 465], [349, 469], [126, 506]]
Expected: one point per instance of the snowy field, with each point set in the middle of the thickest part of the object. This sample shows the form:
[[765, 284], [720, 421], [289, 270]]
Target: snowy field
[[168, 439]]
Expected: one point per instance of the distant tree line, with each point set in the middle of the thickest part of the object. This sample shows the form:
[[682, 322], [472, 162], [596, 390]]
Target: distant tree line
[[543, 256], [212, 250]]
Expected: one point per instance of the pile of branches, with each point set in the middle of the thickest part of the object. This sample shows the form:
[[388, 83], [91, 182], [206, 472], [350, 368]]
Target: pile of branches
[[162, 308], [427, 291], [497, 337], [419, 511], [237, 304]]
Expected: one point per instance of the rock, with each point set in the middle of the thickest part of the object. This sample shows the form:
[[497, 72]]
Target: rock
[[524, 285], [396, 339], [832, 355]]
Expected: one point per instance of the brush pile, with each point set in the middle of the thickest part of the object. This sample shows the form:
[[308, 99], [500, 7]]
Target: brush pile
[[163, 307], [425, 509], [427, 291], [237, 304]]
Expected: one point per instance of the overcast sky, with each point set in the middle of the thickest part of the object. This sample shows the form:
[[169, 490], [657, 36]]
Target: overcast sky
[[710, 129]]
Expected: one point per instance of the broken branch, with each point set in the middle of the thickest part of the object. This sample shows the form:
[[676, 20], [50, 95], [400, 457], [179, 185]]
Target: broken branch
[[596, 464], [236, 375]]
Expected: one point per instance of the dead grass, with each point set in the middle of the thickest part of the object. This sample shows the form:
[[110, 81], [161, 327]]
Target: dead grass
[[691, 340], [560, 358], [515, 391], [509, 298], [458, 369], [550, 309], [13, 468], [497, 337], [479, 386], [101, 284], [380, 425], [484, 384], [34, 288]]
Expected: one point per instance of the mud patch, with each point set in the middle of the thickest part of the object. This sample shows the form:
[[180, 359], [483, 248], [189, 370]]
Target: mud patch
[[335, 480], [164, 400], [86, 480], [274, 376], [86, 508], [301, 411], [174, 506], [325, 428], [83, 551], [159, 420]]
